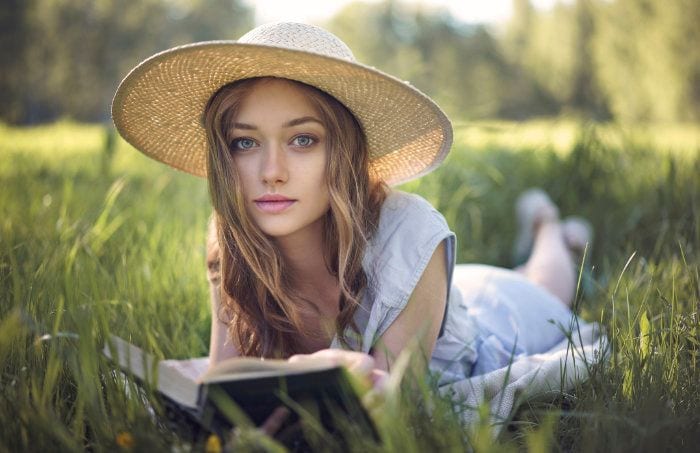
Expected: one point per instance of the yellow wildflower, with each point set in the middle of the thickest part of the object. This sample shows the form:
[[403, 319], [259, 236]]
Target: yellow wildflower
[[125, 440], [213, 444]]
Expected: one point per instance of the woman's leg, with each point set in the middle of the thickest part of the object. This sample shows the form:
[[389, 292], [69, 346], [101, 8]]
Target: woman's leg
[[551, 262], [553, 246]]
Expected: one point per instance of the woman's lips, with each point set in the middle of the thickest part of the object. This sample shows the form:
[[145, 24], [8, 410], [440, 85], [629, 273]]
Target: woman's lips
[[273, 204]]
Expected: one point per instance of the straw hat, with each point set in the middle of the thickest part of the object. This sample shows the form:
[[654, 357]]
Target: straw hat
[[159, 105]]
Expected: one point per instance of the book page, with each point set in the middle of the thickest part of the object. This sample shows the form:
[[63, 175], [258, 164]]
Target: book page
[[171, 381], [239, 368], [192, 369]]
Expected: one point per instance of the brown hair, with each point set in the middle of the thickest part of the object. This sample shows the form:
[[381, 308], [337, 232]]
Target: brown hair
[[259, 303]]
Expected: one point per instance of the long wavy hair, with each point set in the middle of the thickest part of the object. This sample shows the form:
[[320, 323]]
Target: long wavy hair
[[259, 304]]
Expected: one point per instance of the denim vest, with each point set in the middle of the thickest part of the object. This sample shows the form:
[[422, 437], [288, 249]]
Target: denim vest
[[409, 231]]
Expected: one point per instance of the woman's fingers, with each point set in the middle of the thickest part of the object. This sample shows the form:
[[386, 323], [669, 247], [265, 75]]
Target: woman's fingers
[[359, 364], [379, 379], [275, 421], [270, 427], [356, 362]]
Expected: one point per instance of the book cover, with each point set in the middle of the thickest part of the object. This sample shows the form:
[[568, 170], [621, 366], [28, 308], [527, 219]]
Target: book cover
[[244, 391]]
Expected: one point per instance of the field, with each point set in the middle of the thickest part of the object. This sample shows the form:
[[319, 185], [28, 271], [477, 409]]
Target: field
[[97, 239]]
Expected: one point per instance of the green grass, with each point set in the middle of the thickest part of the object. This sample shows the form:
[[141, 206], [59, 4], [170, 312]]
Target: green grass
[[97, 239]]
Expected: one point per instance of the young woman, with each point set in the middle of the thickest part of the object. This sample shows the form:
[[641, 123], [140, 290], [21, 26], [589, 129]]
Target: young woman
[[310, 252]]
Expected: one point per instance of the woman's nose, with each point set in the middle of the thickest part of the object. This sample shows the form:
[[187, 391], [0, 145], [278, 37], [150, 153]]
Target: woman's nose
[[274, 165]]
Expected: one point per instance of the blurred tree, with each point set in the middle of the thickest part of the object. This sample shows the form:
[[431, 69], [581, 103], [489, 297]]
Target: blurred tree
[[75, 52], [647, 56], [461, 66], [528, 96], [554, 48], [13, 43], [516, 38], [586, 95]]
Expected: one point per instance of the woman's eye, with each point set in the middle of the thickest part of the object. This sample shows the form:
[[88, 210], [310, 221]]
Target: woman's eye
[[303, 141], [243, 143]]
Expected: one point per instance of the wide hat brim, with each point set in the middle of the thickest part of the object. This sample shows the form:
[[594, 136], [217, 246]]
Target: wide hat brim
[[158, 106]]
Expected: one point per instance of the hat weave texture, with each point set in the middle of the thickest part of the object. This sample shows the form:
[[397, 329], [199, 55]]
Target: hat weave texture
[[159, 105]]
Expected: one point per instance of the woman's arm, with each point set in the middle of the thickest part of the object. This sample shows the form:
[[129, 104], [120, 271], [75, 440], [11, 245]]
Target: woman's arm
[[422, 315], [219, 348]]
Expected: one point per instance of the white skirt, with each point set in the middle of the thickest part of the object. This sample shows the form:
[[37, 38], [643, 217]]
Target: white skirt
[[513, 315]]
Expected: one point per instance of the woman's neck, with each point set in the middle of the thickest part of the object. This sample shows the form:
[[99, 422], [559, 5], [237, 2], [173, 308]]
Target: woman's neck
[[305, 258], [305, 261], [303, 250]]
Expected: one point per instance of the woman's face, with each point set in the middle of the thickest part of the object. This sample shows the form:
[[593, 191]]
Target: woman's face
[[279, 148]]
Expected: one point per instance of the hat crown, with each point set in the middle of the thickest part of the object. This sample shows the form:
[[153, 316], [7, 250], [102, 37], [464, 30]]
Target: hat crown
[[297, 36]]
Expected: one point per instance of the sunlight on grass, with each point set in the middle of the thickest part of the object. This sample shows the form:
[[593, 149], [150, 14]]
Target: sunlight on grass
[[560, 136]]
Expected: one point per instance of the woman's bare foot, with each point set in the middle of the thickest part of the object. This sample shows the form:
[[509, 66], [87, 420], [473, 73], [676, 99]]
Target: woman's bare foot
[[578, 235], [532, 209]]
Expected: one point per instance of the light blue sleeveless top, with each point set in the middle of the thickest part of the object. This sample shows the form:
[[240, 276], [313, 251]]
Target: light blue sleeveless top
[[409, 231]]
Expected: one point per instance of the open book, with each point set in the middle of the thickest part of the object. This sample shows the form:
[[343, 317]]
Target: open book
[[245, 390]]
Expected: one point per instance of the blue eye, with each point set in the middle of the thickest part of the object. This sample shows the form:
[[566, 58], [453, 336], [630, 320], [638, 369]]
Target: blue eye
[[243, 143], [303, 140]]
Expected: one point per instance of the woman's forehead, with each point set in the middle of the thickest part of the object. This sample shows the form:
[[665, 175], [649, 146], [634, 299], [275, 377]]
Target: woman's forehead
[[276, 101]]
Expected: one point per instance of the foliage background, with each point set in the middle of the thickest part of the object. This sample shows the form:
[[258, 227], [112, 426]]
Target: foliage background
[[627, 60]]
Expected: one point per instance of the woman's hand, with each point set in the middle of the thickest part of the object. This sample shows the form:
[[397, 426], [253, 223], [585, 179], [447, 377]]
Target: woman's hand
[[269, 428], [361, 365]]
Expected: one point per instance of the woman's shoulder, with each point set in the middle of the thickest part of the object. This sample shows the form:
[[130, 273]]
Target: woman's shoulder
[[408, 209], [398, 198], [409, 230]]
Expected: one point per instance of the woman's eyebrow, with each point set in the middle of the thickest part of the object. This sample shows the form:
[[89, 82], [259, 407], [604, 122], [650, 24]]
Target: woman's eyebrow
[[244, 126], [291, 123], [302, 120]]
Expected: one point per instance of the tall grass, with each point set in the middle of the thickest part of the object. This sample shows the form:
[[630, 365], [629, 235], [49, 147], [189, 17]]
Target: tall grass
[[96, 239]]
